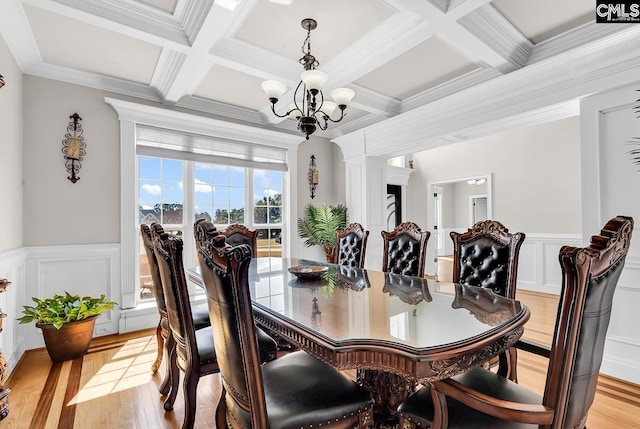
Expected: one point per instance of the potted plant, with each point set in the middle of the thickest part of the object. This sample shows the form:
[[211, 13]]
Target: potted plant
[[67, 322], [320, 225]]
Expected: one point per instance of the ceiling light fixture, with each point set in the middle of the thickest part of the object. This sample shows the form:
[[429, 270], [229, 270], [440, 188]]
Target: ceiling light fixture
[[477, 181], [309, 106]]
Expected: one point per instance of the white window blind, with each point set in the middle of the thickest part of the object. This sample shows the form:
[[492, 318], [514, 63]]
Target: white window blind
[[164, 143]]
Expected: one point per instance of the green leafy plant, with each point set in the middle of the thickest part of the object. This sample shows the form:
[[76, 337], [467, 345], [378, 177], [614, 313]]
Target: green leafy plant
[[320, 224], [61, 309]]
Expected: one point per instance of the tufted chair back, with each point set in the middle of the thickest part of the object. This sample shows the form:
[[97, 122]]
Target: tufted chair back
[[351, 245], [405, 249], [239, 234], [487, 256]]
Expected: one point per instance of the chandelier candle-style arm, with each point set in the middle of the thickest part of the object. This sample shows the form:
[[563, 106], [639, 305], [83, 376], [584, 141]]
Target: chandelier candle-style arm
[[309, 107]]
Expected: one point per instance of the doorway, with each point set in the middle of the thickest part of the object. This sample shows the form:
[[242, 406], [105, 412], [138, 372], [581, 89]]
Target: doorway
[[477, 208], [454, 205]]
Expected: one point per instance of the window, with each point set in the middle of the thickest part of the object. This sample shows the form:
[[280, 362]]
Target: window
[[267, 211], [157, 132], [218, 193]]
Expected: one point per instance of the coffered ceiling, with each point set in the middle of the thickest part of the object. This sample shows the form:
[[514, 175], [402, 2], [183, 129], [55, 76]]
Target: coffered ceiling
[[211, 56]]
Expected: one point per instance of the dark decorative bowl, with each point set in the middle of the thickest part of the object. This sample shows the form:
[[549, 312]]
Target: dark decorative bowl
[[308, 272]]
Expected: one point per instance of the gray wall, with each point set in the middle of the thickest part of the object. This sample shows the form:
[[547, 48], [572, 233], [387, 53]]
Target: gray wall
[[11, 152], [59, 212], [535, 174]]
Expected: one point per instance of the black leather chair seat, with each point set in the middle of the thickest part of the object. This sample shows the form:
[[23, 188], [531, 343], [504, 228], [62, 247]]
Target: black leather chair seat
[[302, 392], [419, 407]]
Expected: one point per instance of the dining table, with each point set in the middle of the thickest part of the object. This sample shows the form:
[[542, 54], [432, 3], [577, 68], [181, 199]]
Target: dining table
[[398, 332]]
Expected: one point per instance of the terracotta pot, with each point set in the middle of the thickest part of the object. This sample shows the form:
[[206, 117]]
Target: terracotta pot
[[71, 341]]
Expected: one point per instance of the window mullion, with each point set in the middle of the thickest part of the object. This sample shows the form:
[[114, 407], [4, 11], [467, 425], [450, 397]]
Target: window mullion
[[188, 213]]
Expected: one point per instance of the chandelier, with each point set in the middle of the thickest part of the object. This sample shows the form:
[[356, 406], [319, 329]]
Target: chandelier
[[309, 107]]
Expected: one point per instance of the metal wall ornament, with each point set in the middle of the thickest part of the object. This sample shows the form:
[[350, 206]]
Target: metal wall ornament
[[73, 147], [313, 177], [2, 82]]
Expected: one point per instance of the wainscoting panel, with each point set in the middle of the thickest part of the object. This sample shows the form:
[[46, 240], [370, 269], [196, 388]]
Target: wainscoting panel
[[79, 269], [538, 266], [12, 268], [622, 349]]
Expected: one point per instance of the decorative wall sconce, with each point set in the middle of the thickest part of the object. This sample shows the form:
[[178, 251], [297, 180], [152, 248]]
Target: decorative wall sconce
[[313, 176], [73, 147], [2, 83]]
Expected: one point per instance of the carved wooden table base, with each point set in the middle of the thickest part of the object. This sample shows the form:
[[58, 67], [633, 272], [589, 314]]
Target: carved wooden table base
[[388, 390]]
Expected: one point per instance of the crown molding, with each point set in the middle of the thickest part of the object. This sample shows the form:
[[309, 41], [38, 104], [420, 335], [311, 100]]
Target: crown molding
[[91, 80], [585, 36], [519, 95], [168, 68], [220, 109], [14, 28], [187, 122], [487, 24], [132, 15], [451, 87], [194, 15]]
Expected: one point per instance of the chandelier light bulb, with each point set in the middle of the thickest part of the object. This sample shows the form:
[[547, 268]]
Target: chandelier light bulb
[[314, 79], [274, 89], [342, 96], [328, 107]]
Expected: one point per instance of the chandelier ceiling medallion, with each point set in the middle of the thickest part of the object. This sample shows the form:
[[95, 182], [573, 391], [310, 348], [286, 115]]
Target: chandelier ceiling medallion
[[309, 107]]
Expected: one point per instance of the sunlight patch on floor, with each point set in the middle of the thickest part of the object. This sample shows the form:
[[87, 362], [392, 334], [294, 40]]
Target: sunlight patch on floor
[[128, 368]]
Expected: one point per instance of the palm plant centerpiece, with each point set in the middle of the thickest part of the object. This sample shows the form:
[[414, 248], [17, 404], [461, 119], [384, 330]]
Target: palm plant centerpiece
[[319, 226]]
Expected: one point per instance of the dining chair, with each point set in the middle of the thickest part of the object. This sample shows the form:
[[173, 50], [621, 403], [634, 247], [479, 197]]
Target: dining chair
[[199, 312], [239, 234], [194, 351], [486, 255], [405, 250], [351, 246], [481, 398], [294, 391]]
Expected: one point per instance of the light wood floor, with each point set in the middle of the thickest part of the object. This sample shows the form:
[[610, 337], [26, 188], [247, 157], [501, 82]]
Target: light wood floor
[[112, 387]]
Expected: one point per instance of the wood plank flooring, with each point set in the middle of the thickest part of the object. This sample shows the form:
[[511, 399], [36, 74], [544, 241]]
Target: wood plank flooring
[[112, 386]]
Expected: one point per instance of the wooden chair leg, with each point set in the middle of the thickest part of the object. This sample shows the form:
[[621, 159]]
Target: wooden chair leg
[[440, 412], [190, 388], [174, 375], [221, 411], [169, 345], [160, 342], [509, 364]]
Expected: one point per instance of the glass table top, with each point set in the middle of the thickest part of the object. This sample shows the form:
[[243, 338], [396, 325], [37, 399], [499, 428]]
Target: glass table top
[[345, 305]]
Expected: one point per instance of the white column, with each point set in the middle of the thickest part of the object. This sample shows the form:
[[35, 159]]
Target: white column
[[366, 192]]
